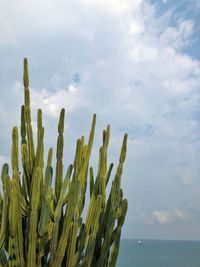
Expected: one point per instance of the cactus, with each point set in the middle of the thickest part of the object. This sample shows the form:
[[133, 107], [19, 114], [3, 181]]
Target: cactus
[[44, 225]]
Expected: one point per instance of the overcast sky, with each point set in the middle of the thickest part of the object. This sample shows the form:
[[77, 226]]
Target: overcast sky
[[136, 63]]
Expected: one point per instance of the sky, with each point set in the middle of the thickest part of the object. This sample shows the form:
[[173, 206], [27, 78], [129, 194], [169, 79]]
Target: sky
[[136, 64]]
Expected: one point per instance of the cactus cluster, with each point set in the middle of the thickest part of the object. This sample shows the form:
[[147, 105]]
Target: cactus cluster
[[43, 224]]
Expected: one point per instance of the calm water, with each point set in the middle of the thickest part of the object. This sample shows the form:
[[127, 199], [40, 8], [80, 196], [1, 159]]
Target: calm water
[[157, 253]]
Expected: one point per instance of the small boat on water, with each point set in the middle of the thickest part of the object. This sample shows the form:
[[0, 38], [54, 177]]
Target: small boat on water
[[139, 242]]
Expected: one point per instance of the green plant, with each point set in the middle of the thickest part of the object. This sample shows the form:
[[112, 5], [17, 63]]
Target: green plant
[[41, 224]]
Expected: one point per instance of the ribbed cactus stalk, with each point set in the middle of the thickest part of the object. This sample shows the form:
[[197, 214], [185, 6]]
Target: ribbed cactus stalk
[[44, 225]]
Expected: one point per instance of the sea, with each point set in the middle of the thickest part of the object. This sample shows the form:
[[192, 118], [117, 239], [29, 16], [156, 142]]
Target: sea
[[159, 253]]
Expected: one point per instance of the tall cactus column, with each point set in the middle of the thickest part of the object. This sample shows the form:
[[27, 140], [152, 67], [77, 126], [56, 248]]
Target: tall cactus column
[[42, 224]]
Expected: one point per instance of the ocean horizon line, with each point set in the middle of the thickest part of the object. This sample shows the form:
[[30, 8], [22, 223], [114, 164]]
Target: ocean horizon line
[[159, 239]]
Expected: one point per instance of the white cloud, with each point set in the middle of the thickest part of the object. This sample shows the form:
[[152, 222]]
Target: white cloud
[[166, 217], [37, 19], [142, 53], [162, 217], [180, 214], [189, 174], [136, 28], [70, 98], [177, 36], [116, 7]]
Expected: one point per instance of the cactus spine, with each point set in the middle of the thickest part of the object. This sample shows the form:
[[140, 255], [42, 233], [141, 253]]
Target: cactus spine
[[44, 225]]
